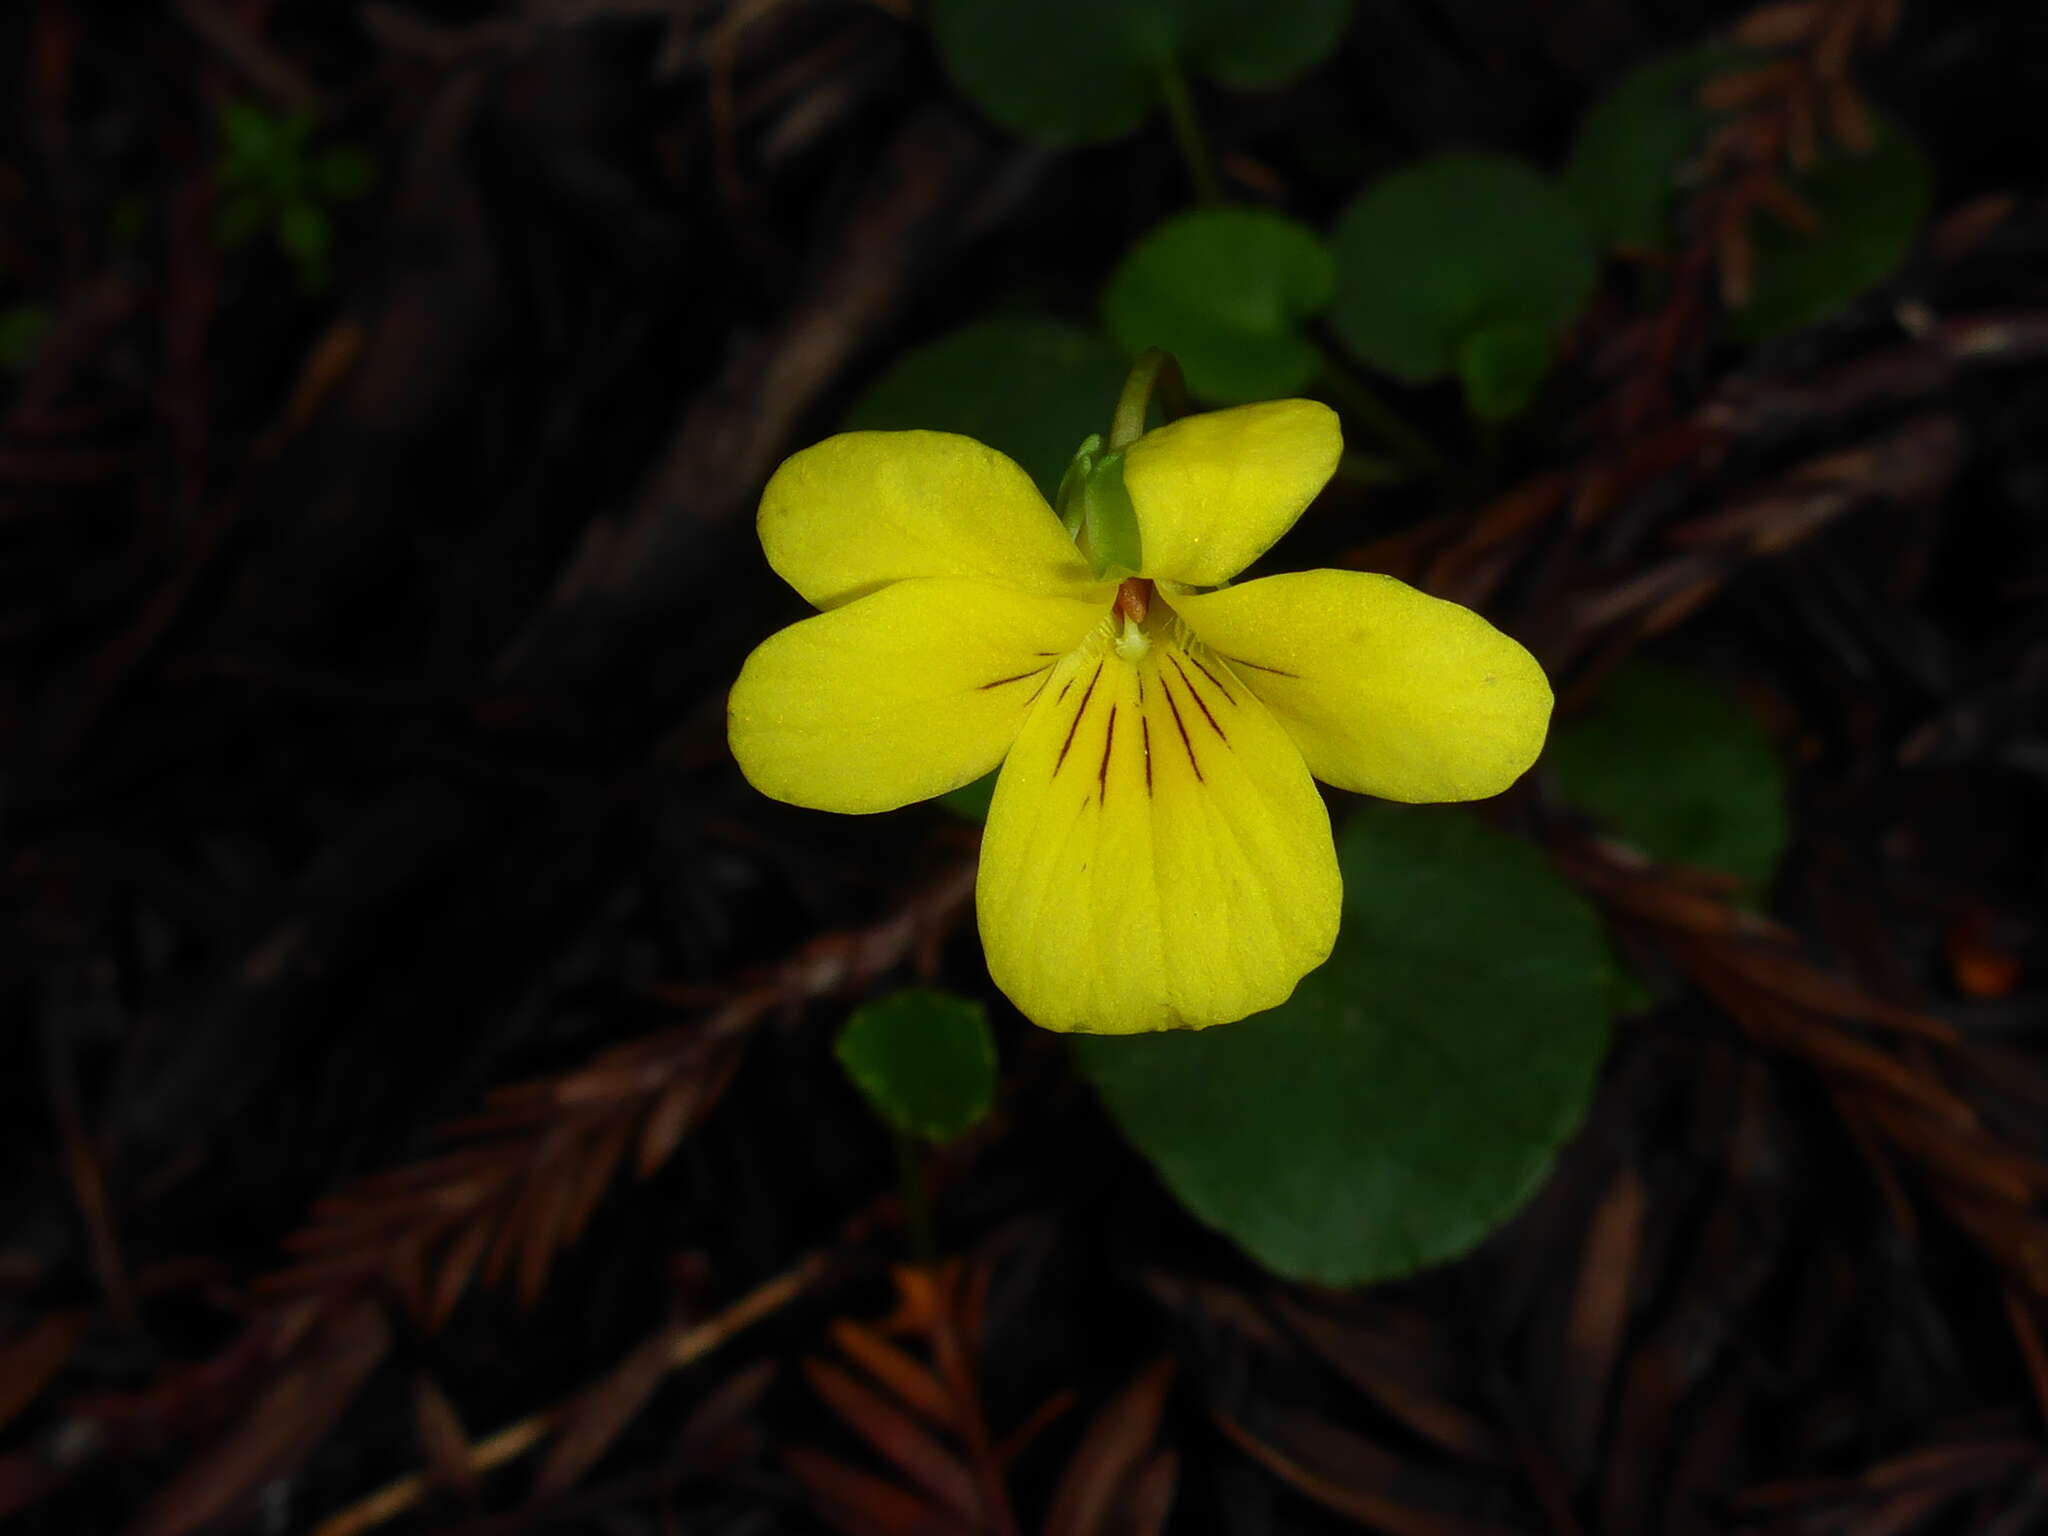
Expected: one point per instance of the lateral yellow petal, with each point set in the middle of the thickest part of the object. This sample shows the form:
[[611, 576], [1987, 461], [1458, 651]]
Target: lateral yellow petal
[[907, 693], [1157, 856], [852, 514], [1386, 690], [1213, 492]]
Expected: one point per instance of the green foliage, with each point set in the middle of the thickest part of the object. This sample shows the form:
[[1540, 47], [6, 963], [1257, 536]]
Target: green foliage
[[1629, 157], [271, 177], [1680, 769], [1433, 256], [1226, 290], [1030, 385], [1625, 163], [924, 1060], [1870, 207], [1501, 368], [1087, 71], [21, 327], [1411, 1094]]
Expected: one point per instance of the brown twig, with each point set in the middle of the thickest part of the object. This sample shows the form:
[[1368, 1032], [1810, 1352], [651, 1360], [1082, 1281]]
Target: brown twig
[[533, 1164], [1989, 1190], [514, 1440]]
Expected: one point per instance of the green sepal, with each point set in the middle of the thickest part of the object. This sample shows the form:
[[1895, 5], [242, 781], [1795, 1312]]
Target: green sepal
[[1109, 523], [1069, 502]]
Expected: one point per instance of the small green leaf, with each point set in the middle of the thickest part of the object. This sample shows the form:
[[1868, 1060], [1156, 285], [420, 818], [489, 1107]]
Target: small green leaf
[[1088, 71], [343, 174], [248, 133], [1870, 207], [1031, 386], [1501, 368], [1430, 256], [1673, 764], [925, 1061], [970, 802], [1226, 290], [1411, 1094], [306, 233], [21, 328], [1634, 141]]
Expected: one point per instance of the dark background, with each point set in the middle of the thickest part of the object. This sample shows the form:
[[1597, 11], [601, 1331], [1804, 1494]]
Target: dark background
[[364, 759]]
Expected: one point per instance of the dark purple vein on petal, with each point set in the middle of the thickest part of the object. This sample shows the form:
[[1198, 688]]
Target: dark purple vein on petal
[[1212, 678], [1019, 677], [1167, 688], [1200, 702], [1145, 735], [1078, 713], [1256, 666], [1108, 743]]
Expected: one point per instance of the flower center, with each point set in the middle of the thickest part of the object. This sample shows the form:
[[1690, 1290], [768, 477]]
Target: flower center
[[1133, 601]]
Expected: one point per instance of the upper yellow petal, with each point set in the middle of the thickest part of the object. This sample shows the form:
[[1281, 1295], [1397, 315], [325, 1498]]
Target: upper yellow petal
[[907, 693], [1214, 492], [1386, 690], [860, 510], [1156, 855]]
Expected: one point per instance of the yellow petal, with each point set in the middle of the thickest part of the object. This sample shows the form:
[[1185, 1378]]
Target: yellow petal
[[1213, 492], [1157, 856], [907, 693], [1386, 690], [860, 510]]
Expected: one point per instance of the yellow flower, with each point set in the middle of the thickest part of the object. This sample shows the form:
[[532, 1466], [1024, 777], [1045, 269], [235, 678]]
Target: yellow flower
[[1157, 855]]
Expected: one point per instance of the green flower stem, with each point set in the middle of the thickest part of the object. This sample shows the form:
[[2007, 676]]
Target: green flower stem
[[916, 1199], [1359, 401], [1187, 131], [1154, 369]]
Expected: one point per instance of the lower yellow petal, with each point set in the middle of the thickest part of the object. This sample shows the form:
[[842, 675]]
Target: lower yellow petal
[[1157, 856], [1386, 690], [902, 695]]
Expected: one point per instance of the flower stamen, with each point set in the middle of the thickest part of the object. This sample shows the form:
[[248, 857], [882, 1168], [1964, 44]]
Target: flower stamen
[[1133, 598]]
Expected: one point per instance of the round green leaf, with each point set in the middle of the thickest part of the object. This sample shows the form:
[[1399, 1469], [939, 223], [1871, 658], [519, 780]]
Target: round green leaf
[[924, 1060], [1625, 162], [1048, 70], [1462, 242], [1261, 43], [1087, 71], [1677, 767], [1225, 290], [1502, 367], [1870, 207], [1411, 1094], [1029, 385]]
